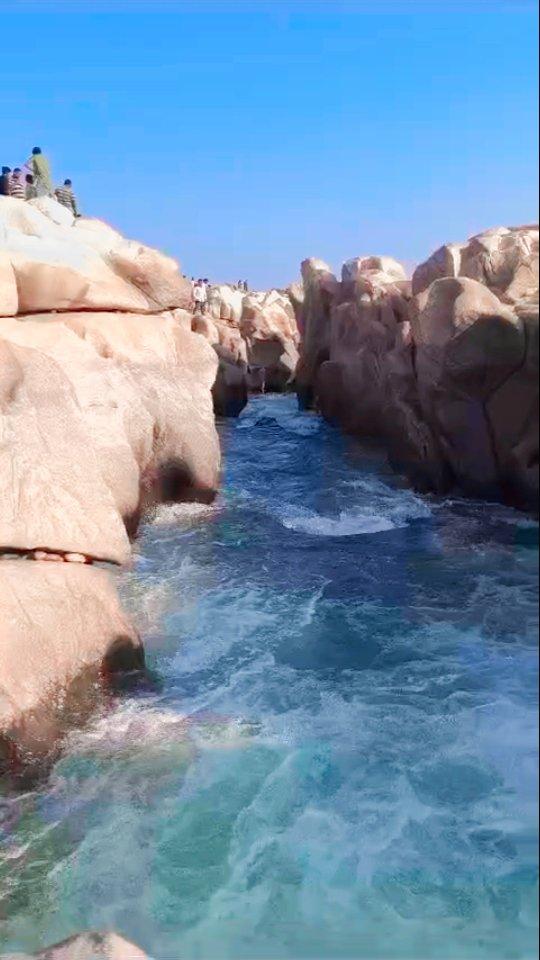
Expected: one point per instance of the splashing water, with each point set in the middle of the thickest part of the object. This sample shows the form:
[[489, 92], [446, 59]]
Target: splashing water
[[339, 759]]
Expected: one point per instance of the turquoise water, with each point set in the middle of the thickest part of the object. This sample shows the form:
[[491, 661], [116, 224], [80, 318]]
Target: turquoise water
[[336, 754]]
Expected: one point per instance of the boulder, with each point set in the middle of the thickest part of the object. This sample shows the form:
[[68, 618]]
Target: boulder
[[143, 387], [468, 345], [61, 263], [9, 297], [505, 259], [321, 289], [54, 497], [92, 945], [225, 302], [62, 637], [447, 380], [268, 327], [358, 266]]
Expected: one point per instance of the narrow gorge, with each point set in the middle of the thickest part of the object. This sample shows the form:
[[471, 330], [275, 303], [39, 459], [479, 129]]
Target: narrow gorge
[[267, 600]]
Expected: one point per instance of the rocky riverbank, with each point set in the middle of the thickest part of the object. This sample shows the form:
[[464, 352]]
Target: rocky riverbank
[[109, 384], [443, 369], [106, 410]]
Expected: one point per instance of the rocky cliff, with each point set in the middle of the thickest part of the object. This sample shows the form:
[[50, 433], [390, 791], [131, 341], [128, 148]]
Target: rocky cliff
[[256, 338], [105, 410], [443, 369]]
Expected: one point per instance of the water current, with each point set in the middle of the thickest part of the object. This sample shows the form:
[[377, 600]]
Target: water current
[[335, 756]]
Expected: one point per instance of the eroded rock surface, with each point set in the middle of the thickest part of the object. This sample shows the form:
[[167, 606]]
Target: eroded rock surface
[[105, 410], [62, 631], [445, 372], [91, 945], [255, 336]]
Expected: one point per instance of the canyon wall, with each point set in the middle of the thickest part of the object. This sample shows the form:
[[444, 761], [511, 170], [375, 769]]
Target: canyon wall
[[443, 369], [105, 410], [256, 337]]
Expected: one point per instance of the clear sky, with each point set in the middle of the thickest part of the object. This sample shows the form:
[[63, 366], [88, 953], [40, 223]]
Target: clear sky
[[242, 137]]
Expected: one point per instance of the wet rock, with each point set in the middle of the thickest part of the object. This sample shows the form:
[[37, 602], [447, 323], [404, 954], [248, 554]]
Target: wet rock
[[63, 636]]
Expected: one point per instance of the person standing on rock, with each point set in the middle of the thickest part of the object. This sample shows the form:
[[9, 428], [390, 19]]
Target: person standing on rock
[[40, 169], [16, 187], [200, 297], [66, 197], [5, 182]]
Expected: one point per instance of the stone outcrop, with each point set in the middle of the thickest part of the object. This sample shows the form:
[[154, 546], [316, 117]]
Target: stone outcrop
[[91, 945], [256, 338], [57, 262], [504, 259], [443, 371], [105, 410], [268, 326], [62, 632]]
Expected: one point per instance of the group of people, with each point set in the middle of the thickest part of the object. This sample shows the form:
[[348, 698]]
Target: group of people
[[201, 289], [35, 180]]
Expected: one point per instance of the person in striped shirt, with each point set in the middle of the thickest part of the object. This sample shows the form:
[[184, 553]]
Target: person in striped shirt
[[66, 197], [16, 186]]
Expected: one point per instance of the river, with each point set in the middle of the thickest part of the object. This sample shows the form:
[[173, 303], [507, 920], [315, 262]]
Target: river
[[335, 753]]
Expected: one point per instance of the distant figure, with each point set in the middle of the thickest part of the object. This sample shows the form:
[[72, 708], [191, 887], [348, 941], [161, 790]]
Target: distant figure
[[41, 172], [5, 182], [30, 187], [200, 297], [245, 286], [16, 187], [66, 197]]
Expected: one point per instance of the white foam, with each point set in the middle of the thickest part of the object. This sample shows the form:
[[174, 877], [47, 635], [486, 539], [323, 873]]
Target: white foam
[[357, 520], [353, 523], [173, 513]]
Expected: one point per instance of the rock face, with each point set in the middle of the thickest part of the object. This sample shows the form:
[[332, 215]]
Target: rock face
[[445, 373], [505, 259], [268, 326], [61, 631], [62, 263], [92, 945], [256, 339], [105, 410]]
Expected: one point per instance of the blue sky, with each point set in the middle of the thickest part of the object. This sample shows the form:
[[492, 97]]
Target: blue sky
[[242, 137]]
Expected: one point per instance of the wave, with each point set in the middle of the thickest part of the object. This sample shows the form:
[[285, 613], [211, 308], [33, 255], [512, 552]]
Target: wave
[[173, 513], [389, 510]]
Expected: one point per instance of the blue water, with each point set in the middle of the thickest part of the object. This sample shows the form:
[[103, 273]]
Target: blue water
[[337, 754]]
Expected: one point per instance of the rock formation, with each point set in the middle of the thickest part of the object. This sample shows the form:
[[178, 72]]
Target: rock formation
[[443, 370], [91, 945], [105, 410], [256, 339]]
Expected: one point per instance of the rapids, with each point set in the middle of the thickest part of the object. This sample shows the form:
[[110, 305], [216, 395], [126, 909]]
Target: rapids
[[335, 754]]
